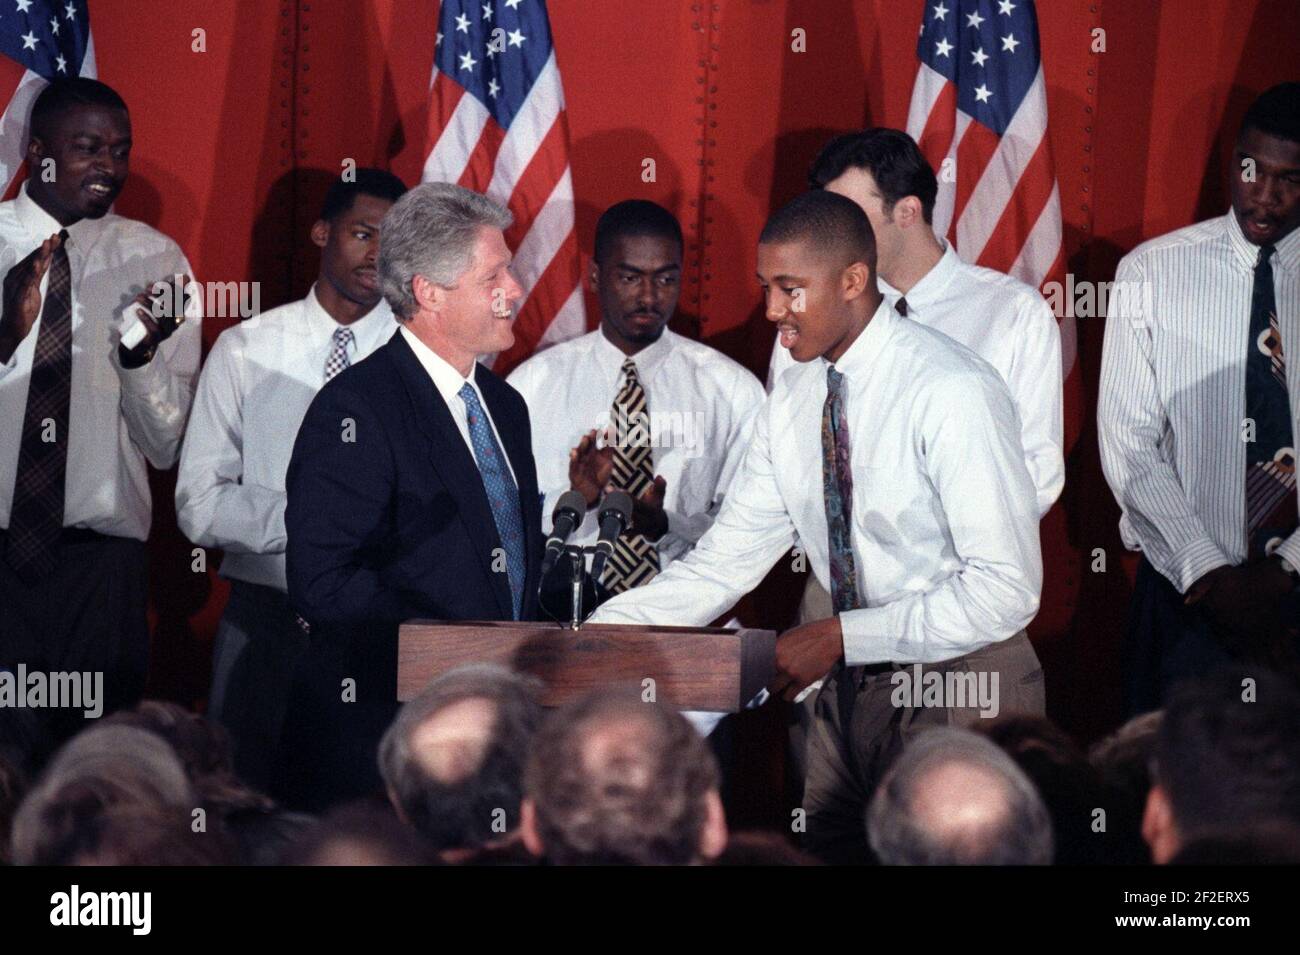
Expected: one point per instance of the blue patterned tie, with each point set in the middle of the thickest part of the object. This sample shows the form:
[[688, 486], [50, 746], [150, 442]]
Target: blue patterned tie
[[502, 493], [837, 489]]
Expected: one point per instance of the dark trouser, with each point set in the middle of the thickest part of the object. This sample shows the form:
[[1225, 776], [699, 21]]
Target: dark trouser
[[858, 730], [257, 683], [1167, 642], [87, 615]]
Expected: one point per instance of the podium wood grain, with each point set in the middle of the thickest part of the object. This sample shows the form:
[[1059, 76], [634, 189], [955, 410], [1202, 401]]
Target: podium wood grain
[[696, 669]]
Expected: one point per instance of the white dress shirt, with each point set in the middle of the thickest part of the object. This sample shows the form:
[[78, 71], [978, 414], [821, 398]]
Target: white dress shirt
[[1010, 325], [944, 527], [256, 385], [449, 382], [702, 407], [118, 418], [1173, 393]]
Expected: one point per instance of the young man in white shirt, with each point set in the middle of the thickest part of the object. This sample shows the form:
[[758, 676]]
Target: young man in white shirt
[[895, 457], [700, 404], [1197, 415], [230, 494], [83, 420]]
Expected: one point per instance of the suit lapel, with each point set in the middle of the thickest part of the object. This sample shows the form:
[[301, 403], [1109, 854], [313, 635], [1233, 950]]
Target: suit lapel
[[452, 460]]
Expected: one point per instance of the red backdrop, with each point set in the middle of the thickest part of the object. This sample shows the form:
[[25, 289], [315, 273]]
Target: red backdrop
[[235, 145]]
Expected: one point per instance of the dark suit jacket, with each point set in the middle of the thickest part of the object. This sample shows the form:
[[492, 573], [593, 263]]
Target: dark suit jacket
[[387, 520]]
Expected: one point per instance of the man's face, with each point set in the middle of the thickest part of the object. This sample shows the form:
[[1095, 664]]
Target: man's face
[[350, 249], [806, 298], [1267, 209], [859, 185], [478, 312], [91, 149], [638, 288]]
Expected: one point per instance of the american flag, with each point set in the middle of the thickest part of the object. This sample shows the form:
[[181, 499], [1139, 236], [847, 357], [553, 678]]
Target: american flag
[[979, 114], [498, 126], [44, 40]]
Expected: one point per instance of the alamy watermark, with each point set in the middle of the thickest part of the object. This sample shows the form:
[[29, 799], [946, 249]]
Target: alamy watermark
[[21, 688]]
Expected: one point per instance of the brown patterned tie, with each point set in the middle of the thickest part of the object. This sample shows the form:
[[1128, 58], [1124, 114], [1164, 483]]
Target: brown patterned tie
[[36, 517], [635, 559]]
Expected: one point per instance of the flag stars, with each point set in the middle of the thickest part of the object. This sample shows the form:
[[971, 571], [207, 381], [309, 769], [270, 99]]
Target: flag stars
[[54, 26], [24, 5], [512, 3], [974, 20], [940, 12], [29, 40], [61, 64], [978, 57], [982, 94], [437, 40], [942, 47], [462, 24], [1006, 6], [517, 38], [493, 88], [467, 62], [70, 12], [487, 11], [1009, 42]]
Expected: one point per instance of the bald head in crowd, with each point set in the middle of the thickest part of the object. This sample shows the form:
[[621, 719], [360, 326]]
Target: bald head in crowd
[[954, 798], [615, 781], [453, 760]]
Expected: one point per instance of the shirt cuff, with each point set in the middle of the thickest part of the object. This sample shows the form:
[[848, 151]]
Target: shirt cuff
[[870, 635], [1290, 549], [142, 382], [1194, 561]]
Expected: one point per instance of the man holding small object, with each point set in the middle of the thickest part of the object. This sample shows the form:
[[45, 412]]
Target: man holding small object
[[83, 417]]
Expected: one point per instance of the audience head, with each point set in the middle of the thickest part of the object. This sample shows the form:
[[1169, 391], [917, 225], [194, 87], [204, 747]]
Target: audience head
[[445, 269], [147, 834], [102, 767], [453, 760], [615, 781], [1265, 176], [817, 265], [1227, 751], [1265, 844], [885, 173], [347, 233], [954, 798], [81, 126], [637, 272], [360, 833]]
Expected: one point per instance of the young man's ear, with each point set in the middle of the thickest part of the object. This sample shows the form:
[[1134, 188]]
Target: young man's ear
[[1158, 826], [528, 828], [908, 212], [320, 233], [593, 276]]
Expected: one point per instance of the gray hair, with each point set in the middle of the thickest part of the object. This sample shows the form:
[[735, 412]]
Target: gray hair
[[459, 812], [431, 231], [99, 768], [904, 830]]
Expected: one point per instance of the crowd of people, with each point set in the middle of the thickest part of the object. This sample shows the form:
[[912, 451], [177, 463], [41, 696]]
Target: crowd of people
[[358, 464]]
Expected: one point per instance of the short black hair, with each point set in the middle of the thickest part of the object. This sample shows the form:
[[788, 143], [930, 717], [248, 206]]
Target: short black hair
[[1276, 111], [1220, 756], [61, 95], [635, 217], [368, 182], [829, 221], [892, 157]]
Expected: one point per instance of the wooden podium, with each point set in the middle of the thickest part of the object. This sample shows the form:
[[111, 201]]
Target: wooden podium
[[694, 669]]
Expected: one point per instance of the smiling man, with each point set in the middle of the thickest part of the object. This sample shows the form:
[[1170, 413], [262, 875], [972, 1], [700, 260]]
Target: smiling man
[[894, 454], [1197, 414], [411, 489], [256, 385], [80, 426]]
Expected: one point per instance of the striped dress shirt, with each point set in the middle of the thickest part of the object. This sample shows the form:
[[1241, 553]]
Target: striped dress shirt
[[1172, 405]]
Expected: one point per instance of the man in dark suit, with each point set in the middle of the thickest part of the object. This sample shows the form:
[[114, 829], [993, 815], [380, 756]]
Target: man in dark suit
[[411, 490]]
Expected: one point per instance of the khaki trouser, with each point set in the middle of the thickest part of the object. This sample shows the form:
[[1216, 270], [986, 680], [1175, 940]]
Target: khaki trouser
[[864, 716]]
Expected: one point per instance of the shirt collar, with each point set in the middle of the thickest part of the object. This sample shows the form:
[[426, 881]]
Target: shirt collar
[[861, 355], [647, 360], [1286, 256], [932, 284], [322, 323], [446, 379], [41, 224]]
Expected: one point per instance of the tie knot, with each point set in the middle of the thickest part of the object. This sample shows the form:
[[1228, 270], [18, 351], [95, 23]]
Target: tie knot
[[1265, 253], [343, 336], [629, 369], [63, 236], [467, 394], [834, 379]]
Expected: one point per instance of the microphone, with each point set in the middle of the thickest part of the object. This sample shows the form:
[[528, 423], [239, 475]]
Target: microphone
[[615, 516], [566, 517]]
